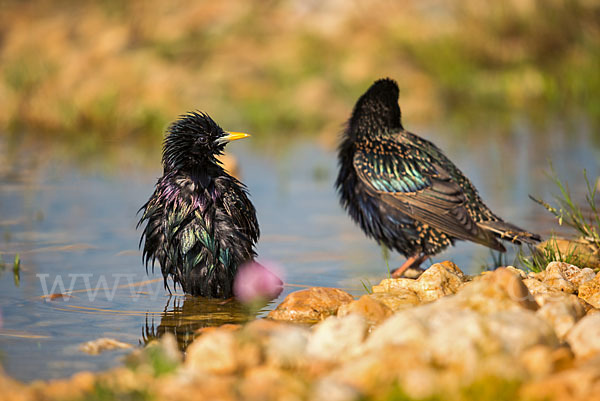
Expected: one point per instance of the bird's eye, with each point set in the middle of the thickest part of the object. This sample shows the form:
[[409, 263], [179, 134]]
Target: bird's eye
[[202, 140]]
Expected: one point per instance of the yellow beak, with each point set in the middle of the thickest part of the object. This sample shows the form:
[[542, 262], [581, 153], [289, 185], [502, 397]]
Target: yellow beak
[[233, 136]]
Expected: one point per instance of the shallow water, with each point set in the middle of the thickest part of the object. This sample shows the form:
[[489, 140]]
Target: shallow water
[[74, 222]]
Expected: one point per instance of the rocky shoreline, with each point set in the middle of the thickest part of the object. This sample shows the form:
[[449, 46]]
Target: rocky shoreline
[[501, 335]]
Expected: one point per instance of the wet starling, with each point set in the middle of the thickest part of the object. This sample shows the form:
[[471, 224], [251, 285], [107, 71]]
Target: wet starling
[[200, 224], [404, 192]]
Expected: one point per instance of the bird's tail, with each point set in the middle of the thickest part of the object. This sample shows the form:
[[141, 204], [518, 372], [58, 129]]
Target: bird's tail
[[510, 232]]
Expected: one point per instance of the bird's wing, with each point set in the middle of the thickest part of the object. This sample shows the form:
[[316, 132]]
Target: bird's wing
[[153, 235], [406, 177], [241, 211]]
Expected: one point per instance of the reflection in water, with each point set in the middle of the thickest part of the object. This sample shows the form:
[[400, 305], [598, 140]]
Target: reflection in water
[[184, 315]]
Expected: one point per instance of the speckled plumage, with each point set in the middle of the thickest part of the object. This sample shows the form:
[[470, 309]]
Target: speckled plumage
[[200, 224], [403, 191]]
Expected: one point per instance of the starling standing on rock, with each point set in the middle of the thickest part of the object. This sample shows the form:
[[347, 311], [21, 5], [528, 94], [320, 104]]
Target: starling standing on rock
[[200, 224], [404, 192]]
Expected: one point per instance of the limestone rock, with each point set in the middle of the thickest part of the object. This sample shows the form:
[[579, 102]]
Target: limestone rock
[[311, 305], [592, 311], [286, 346], [537, 360], [437, 281], [580, 384], [77, 387], [226, 351], [567, 270], [384, 366], [373, 310], [403, 328], [328, 389], [536, 286], [99, 345], [537, 275], [590, 291], [122, 378], [556, 277], [337, 338], [584, 337], [13, 390], [396, 300], [266, 383], [518, 329], [519, 272], [542, 360], [574, 274], [586, 274], [214, 352], [468, 339], [282, 344], [457, 337], [495, 291], [259, 328], [188, 388], [395, 285], [562, 312], [543, 293], [557, 296]]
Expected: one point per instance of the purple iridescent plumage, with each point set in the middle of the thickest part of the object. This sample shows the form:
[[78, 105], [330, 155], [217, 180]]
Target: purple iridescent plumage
[[199, 223]]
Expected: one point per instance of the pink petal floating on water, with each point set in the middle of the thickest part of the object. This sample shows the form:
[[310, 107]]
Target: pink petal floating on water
[[254, 282]]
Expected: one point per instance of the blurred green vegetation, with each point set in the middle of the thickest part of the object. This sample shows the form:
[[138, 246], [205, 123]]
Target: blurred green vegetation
[[584, 220], [103, 392], [153, 358], [487, 388], [538, 258], [120, 71]]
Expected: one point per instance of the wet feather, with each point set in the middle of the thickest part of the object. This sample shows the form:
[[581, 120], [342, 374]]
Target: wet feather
[[200, 225]]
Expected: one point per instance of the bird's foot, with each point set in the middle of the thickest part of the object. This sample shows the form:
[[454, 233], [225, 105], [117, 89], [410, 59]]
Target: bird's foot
[[412, 262]]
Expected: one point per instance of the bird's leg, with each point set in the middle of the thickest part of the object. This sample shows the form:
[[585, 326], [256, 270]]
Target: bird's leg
[[397, 273], [413, 261]]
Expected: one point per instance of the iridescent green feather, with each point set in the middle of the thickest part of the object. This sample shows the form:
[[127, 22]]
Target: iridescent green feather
[[390, 174]]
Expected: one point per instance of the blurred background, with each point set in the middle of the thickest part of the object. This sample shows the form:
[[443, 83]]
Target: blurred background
[[102, 72], [87, 89]]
